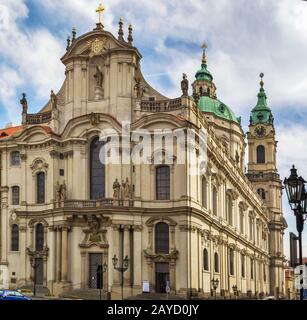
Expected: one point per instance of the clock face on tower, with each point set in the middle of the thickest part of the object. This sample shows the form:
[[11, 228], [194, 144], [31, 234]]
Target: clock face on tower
[[260, 131]]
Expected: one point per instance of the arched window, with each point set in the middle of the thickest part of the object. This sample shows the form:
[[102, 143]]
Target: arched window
[[40, 187], [231, 262], [216, 262], [15, 158], [162, 238], [261, 193], [242, 266], [214, 201], [163, 183], [241, 221], [15, 196], [260, 154], [200, 91], [39, 237], [206, 259], [229, 209], [15, 238], [97, 170], [204, 192]]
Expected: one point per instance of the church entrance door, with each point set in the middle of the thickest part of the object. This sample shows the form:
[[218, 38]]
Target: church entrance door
[[162, 277], [39, 271], [95, 271]]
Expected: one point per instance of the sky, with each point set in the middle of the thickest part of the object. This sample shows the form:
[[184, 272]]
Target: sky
[[244, 38]]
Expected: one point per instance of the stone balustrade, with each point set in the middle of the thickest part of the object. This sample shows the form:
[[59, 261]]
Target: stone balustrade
[[161, 105]]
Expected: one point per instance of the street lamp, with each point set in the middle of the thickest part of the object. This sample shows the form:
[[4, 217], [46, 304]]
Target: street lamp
[[101, 270], [235, 291], [34, 265], [215, 284], [297, 197], [123, 268]]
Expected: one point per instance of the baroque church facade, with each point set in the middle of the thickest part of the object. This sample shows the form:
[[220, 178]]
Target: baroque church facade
[[66, 218]]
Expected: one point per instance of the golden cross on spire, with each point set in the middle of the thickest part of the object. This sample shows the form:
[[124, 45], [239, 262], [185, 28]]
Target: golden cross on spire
[[100, 10], [204, 47]]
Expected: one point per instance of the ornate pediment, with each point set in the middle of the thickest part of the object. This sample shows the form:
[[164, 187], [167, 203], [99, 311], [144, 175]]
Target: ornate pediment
[[95, 233], [159, 257], [39, 165]]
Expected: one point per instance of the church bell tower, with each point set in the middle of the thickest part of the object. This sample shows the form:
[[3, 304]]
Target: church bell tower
[[263, 174]]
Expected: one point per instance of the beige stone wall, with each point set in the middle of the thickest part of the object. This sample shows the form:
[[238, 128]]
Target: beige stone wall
[[193, 225]]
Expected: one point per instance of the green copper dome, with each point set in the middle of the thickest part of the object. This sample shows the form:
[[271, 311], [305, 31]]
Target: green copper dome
[[218, 108], [261, 114], [204, 73]]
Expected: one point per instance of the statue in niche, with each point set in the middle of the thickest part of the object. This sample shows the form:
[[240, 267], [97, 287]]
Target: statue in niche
[[58, 192], [94, 226], [63, 192], [116, 188], [99, 77], [185, 85], [127, 190]]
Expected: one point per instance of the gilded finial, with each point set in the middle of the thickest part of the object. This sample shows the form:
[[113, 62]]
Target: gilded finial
[[261, 82], [130, 38], [74, 34], [204, 47], [120, 30], [100, 10]]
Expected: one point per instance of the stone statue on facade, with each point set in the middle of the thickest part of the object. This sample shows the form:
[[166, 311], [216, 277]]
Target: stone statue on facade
[[127, 190], [116, 188], [122, 190], [139, 89], [24, 103], [185, 85], [98, 76], [53, 99]]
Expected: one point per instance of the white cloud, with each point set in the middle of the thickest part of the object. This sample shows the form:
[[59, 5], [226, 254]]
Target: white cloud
[[9, 81]]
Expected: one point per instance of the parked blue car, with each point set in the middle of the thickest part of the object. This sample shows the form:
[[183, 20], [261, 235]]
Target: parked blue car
[[12, 295]]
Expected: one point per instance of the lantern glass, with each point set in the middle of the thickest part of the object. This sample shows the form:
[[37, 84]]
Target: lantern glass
[[294, 187]]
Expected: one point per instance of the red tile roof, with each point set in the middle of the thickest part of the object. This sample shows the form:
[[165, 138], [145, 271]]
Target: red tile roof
[[8, 132]]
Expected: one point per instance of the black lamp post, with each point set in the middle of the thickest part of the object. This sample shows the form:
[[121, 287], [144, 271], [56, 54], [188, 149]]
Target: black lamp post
[[123, 268], [215, 284], [235, 291], [101, 270], [34, 265], [296, 193]]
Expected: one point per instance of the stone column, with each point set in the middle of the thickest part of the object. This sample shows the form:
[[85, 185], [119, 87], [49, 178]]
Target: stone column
[[58, 254], [127, 253], [116, 275], [137, 256], [22, 248], [64, 253]]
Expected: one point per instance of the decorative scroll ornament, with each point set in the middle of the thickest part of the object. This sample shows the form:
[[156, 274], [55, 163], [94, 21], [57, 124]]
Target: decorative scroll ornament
[[97, 47]]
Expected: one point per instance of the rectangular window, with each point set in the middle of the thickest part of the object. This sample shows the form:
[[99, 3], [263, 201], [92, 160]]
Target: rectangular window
[[163, 183], [62, 172], [15, 158], [40, 185], [15, 196]]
